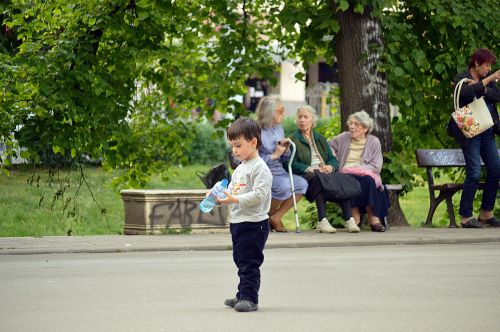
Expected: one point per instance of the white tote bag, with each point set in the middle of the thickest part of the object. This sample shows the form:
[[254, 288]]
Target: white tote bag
[[472, 119]]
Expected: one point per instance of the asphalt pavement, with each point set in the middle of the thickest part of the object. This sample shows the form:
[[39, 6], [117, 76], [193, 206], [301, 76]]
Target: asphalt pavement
[[417, 288], [201, 241]]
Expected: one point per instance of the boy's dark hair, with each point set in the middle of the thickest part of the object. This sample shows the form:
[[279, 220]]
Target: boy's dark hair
[[246, 128]]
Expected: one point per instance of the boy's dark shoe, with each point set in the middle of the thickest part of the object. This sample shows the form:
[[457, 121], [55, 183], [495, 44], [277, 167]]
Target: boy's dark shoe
[[245, 306], [492, 222], [231, 302]]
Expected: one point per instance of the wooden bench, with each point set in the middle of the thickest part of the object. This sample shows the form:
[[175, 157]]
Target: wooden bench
[[442, 158]]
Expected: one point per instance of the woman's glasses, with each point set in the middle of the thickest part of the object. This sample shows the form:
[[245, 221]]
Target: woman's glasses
[[354, 123]]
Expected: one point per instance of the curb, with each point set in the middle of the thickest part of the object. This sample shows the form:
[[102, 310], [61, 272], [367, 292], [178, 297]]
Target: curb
[[222, 242]]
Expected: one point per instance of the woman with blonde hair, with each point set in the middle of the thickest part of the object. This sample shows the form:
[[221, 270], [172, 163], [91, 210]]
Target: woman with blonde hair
[[275, 152], [314, 155]]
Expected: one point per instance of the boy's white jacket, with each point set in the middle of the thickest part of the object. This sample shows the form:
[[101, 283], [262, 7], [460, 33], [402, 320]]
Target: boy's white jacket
[[251, 182]]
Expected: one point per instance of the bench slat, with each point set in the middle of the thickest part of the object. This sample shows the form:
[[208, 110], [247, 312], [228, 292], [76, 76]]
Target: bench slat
[[441, 158], [394, 187], [448, 186]]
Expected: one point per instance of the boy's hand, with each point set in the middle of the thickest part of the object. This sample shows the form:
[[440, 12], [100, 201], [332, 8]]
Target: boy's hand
[[230, 199]]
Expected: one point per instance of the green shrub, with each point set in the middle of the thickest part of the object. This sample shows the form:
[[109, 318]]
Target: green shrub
[[327, 127], [209, 147]]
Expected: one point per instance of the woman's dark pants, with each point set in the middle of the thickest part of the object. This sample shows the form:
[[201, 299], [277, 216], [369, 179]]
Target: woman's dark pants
[[482, 146]]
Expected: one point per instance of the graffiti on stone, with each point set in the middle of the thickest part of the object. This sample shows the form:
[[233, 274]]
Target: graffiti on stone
[[184, 213]]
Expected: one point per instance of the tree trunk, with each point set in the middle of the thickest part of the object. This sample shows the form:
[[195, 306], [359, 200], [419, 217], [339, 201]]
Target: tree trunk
[[362, 85], [396, 215]]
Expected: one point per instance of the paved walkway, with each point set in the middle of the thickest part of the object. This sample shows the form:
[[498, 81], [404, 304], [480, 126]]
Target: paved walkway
[[222, 241]]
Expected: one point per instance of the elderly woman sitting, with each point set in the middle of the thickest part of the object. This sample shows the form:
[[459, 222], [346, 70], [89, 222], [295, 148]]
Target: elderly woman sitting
[[314, 155], [275, 152], [360, 155]]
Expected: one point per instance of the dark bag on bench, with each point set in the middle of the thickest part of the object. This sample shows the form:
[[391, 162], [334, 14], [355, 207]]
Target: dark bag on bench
[[214, 175], [341, 186]]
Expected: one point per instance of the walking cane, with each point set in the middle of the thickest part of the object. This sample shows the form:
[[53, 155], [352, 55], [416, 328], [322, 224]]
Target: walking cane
[[292, 155]]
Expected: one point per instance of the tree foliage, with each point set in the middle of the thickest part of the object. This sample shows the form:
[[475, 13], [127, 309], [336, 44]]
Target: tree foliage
[[119, 79], [425, 45]]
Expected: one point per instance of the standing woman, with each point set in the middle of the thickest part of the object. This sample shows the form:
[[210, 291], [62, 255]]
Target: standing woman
[[275, 152], [314, 155], [480, 84], [360, 154]]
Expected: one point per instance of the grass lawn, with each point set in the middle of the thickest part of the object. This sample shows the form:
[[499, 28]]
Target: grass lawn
[[44, 207], [33, 210]]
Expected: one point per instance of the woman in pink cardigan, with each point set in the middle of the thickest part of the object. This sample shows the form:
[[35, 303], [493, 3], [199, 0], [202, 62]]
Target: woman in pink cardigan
[[360, 154]]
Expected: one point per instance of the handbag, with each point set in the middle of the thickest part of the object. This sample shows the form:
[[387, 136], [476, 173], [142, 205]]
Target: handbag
[[473, 118], [214, 175], [341, 186]]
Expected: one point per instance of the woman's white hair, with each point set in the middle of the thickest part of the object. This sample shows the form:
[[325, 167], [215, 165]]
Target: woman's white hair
[[363, 118], [311, 111], [265, 110]]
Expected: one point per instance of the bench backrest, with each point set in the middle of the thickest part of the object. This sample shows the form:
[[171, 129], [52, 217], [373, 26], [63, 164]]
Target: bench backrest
[[441, 158]]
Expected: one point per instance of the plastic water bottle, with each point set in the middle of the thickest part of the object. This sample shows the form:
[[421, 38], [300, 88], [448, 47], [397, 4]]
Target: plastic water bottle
[[209, 202]]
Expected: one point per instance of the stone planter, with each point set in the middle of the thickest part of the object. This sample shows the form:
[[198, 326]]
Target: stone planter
[[155, 211]]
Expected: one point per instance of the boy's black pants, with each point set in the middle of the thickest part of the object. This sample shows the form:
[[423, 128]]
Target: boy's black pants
[[249, 239]]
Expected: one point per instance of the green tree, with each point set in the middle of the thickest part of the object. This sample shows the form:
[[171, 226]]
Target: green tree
[[426, 45], [410, 61], [118, 80]]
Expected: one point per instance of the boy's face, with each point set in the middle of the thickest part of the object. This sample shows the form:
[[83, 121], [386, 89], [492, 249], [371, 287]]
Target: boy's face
[[244, 149]]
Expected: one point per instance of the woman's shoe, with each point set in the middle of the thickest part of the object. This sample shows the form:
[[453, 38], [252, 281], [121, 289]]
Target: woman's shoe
[[351, 226], [492, 222], [325, 227], [277, 226], [472, 223], [378, 227]]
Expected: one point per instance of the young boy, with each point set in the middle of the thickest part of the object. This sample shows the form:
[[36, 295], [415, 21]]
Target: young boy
[[249, 200]]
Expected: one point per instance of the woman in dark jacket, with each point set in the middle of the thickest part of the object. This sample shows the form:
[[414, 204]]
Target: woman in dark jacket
[[314, 155], [480, 83]]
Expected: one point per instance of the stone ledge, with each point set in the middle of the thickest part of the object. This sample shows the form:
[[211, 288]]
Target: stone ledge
[[158, 211]]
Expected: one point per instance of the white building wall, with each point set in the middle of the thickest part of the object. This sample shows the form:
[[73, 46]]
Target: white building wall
[[292, 91]]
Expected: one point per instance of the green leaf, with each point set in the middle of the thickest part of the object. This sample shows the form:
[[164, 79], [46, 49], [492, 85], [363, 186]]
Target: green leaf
[[359, 8], [344, 5], [398, 71], [25, 154]]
